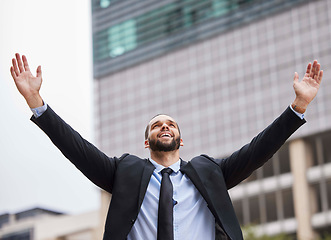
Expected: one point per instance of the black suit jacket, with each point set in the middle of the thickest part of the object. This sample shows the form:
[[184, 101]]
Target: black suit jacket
[[127, 177]]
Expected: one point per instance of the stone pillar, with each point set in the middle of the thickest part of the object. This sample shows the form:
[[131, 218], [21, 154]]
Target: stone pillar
[[301, 160], [105, 200]]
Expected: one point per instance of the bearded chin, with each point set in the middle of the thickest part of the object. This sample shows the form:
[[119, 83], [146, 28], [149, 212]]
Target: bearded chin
[[158, 146]]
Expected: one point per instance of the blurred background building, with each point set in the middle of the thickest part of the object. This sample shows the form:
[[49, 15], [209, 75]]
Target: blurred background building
[[44, 224], [223, 69]]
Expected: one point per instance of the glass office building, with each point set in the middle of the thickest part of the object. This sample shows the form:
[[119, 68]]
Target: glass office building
[[224, 70]]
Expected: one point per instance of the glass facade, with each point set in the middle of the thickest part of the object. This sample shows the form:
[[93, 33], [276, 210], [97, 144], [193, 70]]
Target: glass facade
[[164, 28], [156, 24]]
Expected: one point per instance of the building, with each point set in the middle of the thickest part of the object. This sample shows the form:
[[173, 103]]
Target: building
[[44, 224], [223, 69]]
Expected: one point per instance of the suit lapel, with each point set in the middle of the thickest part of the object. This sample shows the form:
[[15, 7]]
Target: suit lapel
[[188, 169], [216, 202], [147, 173]]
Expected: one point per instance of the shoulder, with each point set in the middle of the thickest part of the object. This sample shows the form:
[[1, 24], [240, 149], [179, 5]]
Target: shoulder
[[131, 160], [204, 160]]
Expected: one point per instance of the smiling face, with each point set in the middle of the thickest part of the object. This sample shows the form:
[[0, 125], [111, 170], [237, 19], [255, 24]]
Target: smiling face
[[162, 134]]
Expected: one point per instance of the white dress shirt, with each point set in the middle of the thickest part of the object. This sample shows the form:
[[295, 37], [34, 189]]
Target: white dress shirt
[[192, 218]]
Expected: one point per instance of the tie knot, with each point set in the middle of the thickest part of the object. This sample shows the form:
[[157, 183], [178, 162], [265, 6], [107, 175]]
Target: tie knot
[[166, 170]]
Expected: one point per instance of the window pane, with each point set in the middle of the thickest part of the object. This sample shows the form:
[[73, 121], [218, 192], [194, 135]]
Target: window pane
[[316, 191], [268, 169], [238, 208], [284, 159], [254, 210], [155, 24], [312, 142], [122, 38], [328, 186], [326, 148], [287, 198], [271, 207]]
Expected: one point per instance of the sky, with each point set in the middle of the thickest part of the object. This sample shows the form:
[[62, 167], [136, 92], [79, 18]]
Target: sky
[[57, 36]]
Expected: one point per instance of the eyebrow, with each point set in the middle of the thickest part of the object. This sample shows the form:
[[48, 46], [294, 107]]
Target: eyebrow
[[168, 120], [154, 123]]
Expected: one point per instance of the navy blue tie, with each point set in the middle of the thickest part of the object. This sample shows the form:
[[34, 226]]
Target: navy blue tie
[[165, 214]]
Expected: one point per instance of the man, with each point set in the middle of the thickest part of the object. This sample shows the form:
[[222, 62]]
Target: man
[[165, 197]]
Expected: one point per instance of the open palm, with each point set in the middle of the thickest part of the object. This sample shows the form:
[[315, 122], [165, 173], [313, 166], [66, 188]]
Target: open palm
[[307, 89], [27, 84]]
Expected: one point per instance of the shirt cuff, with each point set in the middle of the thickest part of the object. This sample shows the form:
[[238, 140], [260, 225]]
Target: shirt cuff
[[300, 115], [37, 112]]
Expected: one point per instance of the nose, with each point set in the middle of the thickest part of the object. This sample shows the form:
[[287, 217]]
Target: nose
[[165, 126]]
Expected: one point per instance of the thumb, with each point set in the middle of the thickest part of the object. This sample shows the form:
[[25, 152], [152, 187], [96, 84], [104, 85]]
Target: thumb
[[296, 77], [39, 71]]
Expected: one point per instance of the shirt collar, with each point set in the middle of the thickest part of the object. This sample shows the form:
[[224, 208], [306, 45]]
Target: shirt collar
[[158, 167]]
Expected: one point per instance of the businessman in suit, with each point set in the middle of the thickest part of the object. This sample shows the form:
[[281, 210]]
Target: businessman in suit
[[200, 206]]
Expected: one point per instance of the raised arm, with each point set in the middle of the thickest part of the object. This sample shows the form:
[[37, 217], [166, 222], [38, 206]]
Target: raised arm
[[27, 84], [94, 164], [243, 162]]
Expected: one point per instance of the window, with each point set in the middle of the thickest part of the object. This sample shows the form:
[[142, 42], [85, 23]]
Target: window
[[271, 207], [222, 7], [254, 210], [21, 235], [122, 38], [238, 208], [326, 141], [156, 24], [316, 191], [284, 159], [288, 207], [115, 40], [328, 186], [268, 169], [104, 3]]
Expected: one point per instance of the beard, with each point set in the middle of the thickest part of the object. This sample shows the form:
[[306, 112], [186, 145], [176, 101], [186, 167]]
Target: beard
[[158, 146]]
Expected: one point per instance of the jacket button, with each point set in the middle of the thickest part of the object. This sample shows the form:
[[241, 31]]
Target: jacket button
[[132, 221]]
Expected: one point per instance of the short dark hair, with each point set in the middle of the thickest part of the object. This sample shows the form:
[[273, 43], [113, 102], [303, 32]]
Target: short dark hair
[[147, 127]]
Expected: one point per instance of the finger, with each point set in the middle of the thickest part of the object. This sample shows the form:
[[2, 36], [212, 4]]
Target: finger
[[17, 72], [320, 76], [13, 74], [318, 67], [308, 68], [25, 63], [313, 69], [296, 77], [19, 62], [307, 75], [317, 70], [39, 71]]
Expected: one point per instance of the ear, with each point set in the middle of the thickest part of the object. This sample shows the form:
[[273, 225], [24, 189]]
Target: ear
[[146, 144], [181, 142]]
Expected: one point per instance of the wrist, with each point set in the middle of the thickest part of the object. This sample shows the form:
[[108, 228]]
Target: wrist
[[299, 106], [34, 101]]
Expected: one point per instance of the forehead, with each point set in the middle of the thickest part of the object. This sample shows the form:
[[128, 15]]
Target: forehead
[[161, 118]]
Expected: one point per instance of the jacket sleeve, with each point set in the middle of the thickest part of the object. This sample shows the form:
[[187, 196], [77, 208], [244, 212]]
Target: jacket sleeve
[[253, 155], [94, 164]]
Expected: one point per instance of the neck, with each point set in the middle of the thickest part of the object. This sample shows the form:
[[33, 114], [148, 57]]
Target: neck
[[165, 159]]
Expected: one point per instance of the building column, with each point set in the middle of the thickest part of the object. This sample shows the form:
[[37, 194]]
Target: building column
[[301, 160]]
